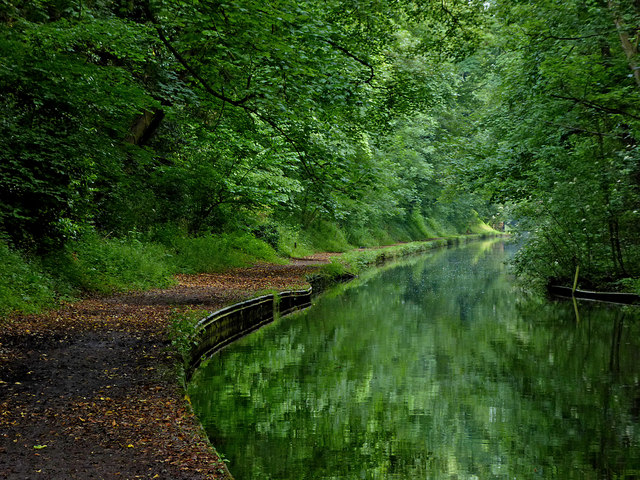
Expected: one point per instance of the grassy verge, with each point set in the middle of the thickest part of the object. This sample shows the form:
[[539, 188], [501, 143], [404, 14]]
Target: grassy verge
[[24, 285], [95, 264]]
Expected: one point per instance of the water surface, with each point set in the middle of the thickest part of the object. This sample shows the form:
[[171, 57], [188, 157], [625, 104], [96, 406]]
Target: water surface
[[435, 368]]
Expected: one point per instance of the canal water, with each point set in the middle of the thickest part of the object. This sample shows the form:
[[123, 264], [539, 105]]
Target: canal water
[[433, 368]]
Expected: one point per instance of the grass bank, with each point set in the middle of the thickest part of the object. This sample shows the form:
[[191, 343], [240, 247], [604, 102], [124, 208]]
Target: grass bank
[[93, 264]]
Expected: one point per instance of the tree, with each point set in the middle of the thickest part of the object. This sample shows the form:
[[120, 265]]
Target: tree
[[68, 99], [120, 115], [563, 116]]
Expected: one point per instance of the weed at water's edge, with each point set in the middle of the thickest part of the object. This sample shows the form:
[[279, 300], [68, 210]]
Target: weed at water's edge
[[182, 332]]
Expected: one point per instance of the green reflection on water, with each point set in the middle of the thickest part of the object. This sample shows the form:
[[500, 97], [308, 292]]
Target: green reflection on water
[[434, 368]]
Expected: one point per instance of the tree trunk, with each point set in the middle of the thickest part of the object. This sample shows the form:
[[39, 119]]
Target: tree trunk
[[144, 127], [629, 44]]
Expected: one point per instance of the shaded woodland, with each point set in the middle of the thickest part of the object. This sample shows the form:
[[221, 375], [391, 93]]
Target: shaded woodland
[[141, 139]]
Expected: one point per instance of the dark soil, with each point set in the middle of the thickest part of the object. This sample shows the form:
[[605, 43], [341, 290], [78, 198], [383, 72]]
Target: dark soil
[[90, 391]]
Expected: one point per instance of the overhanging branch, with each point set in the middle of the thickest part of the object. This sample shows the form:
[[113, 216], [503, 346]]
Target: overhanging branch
[[354, 57], [208, 88], [243, 103], [595, 106]]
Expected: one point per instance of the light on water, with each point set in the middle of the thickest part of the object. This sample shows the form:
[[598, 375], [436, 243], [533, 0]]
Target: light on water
[[433, 368]]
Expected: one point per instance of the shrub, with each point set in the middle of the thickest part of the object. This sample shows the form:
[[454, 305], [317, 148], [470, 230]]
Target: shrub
[[214, 253], [23, 284], [182, 332], [328, 237], [361, 237], [292, 242], [103, 265]]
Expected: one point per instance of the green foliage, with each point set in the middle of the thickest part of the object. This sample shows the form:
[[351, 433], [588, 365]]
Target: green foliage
[[182, 332], [327, 236], [185, 122], [554, 132], [364, 237], [421, 226], [96, 264], [435, 226], [631, 285], [24, 286], [67, 98], [355, 261], [292, 242], [214, 253], [206, 114], [334, 269]]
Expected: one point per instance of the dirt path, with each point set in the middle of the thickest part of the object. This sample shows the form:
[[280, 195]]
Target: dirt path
[[89, 391]]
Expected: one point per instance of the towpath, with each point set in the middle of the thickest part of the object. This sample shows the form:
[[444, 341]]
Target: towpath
[[89, 391]]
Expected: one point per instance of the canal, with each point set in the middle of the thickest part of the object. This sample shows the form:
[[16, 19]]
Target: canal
[[437, 367]]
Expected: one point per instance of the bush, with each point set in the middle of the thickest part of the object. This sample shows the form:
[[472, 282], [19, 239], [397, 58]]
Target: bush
[[292, 242], [362, 237], [103, 265], [327, 236], [23, 284], [434, 226], [419, 228], [182, 332], [214, 253]]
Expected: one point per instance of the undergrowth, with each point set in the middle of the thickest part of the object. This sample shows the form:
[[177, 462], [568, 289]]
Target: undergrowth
[[24, 286], [182, 333], [95, 264], [215, 253]]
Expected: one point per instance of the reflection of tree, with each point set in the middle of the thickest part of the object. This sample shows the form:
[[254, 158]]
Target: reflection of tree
[[591, 391], [614, 358], [391, 381]]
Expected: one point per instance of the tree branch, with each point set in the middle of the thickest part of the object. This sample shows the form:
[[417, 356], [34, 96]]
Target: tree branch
[[210, 90], [355, 57], [595, 106], [243, 102]]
